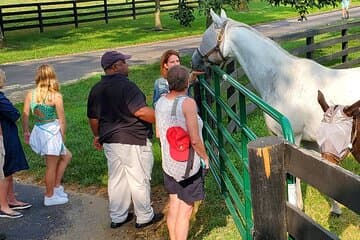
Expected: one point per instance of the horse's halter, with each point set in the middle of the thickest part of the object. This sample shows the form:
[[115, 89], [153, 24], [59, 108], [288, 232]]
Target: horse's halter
[[216, 49]]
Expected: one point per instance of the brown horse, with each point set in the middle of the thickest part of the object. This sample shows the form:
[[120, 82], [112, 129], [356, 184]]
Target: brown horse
[[339, 134]]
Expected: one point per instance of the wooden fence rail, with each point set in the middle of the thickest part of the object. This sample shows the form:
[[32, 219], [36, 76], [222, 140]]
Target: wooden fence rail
[[74, 12], [270, 158], [345, 37]]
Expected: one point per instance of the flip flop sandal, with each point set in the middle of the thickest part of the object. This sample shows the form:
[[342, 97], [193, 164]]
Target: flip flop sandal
[[20, 206], [10, 215]]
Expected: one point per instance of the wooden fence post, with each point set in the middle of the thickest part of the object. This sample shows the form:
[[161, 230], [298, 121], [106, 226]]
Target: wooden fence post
[[2, 34], [133, 9], [76, 18], [309, 41], [344, 45], [106, 13], [268, 187], [41, 26]]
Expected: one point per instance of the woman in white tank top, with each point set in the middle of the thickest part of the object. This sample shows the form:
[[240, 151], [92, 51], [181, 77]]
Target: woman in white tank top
[[183, 192]]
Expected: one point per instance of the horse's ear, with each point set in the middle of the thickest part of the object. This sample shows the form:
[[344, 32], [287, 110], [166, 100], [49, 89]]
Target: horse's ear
[[353, 109], [223, 13], [322, 101], [216, 19]]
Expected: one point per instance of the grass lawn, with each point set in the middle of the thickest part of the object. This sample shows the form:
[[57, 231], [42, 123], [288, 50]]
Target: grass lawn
[[55, 41]]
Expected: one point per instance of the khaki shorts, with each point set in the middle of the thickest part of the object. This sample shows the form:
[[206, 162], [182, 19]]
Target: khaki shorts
[[2, 157]]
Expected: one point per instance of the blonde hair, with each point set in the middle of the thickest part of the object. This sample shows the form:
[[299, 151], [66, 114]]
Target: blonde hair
[[164, 59], [2, 78], [46, 83]]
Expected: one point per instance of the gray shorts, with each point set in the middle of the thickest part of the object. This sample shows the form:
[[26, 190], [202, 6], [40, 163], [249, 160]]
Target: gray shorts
[[2, 157], [189, 190]]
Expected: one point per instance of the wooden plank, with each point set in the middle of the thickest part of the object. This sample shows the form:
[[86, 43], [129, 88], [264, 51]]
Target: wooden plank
[[338, 55], [28, 12], [69, 16], [330, 179], [302, 227], [58, 23], [313, 32], [233, 99], [323, 44], [22, 20], [266, 156], [21, 27], [349, 63], [334, 56], [57, 10]]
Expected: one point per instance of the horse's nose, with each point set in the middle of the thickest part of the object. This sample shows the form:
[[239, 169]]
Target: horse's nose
[[196, 61]]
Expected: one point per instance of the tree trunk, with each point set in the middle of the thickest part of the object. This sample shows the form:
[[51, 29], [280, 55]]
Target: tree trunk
[[243, 6], [158, 25]]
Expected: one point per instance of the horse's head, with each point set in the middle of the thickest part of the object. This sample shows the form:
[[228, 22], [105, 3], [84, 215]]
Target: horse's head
[[210, 49], [339, 121]]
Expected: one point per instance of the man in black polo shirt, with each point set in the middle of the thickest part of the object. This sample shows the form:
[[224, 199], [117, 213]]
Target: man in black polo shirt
[[121, 123]]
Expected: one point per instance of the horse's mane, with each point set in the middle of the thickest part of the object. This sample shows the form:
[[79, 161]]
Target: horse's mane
[[234, 24]]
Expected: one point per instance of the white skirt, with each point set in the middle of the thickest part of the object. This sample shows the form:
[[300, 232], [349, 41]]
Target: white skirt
[[46, 139]]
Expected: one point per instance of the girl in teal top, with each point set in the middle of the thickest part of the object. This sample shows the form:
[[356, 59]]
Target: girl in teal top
[[48, 135]]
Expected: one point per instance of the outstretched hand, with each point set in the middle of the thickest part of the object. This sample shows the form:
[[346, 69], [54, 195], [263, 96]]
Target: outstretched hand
[[194, 75]]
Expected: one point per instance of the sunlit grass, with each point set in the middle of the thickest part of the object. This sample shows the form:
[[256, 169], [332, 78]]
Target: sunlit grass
[[55, 41]]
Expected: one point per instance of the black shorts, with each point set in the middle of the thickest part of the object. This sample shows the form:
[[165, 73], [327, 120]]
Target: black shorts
[[189, 190]]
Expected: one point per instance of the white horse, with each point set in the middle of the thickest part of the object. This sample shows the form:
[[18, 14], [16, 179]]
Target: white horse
[[288, 83]]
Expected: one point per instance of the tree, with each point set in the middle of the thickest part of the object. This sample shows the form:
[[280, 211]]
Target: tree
[[301, 6], [158, 25], [216, 5], [184, 14]]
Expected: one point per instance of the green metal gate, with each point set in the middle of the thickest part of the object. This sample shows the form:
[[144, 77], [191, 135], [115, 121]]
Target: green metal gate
[[226, 135]]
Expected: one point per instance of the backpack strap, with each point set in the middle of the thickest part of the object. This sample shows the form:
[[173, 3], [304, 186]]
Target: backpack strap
[[190, 161]]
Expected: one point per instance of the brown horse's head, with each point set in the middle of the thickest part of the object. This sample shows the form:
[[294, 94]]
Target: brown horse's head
[[352, 111]]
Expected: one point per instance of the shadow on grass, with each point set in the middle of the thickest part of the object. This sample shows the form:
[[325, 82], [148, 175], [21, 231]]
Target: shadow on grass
[[212, 217]]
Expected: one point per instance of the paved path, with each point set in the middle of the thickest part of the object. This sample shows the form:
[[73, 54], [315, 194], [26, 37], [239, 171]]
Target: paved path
[[86, 216], [55, 222], [70, 68]]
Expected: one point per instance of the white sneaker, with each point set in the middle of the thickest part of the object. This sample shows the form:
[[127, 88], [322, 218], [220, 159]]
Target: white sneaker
[[54, 200], [60, 192]]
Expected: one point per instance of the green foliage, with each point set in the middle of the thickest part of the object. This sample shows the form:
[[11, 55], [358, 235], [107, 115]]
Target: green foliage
[[206, 5], [216, 5], [184, 15], [302, 6]]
